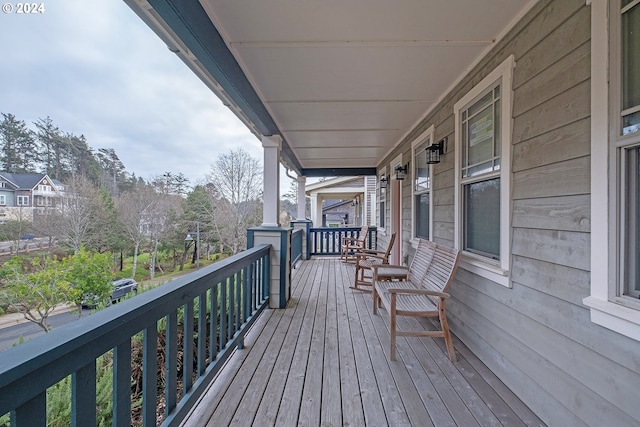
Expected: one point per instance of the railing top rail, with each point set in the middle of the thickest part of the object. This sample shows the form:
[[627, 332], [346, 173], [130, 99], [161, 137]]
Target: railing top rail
[[371, 227], [47, 358]]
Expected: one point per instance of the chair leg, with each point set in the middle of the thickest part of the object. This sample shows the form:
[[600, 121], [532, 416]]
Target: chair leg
[[392, 328], [445, 329], [374, 296]]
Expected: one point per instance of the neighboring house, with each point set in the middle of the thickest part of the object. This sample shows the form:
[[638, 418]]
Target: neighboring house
[[348, 201], [339, 213], [23, 193]]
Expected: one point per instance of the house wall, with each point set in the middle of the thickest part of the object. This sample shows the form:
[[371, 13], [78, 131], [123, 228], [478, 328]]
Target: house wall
[[537, 336]]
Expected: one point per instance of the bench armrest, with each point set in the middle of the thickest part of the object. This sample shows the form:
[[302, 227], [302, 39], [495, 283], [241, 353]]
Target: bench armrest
[[350, 239], [365, 251], [396, 271], [442, 295], [364, 255]]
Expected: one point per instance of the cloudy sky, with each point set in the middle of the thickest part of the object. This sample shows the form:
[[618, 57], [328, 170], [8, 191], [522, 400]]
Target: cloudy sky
[[96, 69]]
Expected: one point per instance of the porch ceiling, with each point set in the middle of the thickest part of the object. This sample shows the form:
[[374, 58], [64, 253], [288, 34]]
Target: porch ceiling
[[341, 82]]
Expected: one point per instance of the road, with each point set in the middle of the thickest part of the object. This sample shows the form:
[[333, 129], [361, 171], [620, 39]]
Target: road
[[29, 330]]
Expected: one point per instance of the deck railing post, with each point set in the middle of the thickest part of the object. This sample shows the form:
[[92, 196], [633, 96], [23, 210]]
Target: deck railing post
[[280, 272], [305, 225]]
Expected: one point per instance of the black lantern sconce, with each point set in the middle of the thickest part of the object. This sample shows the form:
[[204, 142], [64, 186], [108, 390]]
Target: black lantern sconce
[[434, 151], [401, 172], [383, 182]]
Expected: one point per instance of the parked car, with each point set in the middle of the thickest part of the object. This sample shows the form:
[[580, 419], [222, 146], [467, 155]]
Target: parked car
[[121, 287], [28, 236]]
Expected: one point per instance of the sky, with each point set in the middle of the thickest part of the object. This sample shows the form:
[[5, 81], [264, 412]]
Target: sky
[[97, 70]]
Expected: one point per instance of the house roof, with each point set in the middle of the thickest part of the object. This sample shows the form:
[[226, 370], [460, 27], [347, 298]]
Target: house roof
[[23, 181], [343, 82]]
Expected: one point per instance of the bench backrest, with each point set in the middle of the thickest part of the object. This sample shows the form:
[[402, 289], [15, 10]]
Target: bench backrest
[[442, 269], [421, 260]]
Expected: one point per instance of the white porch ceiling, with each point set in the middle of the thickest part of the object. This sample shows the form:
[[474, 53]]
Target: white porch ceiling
[[345, 80]]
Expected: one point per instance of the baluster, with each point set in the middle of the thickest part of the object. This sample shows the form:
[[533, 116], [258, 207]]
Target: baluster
[[83, 396], [202, 333], [187, 347], [32, 413], [149, 375], [171, 367], [237, 284], [213, 324], [122, 384], [223, 313]]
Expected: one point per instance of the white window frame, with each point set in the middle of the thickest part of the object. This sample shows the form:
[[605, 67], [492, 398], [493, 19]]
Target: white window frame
[[20, 200], [382, 198], [3, 200], [425, 137], [497, 271], [607, 307]]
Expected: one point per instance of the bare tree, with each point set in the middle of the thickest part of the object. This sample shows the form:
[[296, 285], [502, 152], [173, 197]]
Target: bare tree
[[237, 178], [137, 211], [74, 223], [163, 221]]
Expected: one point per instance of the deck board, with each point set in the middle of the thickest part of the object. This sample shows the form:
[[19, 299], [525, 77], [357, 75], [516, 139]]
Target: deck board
[[324, 361]]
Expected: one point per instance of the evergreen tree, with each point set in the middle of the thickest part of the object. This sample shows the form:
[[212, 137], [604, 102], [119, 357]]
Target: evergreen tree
[[18, 149], [48, 137]]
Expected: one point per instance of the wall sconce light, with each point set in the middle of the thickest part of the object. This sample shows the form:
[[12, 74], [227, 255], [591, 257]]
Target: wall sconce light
[[401, 172], [434, 151], [383, 182]]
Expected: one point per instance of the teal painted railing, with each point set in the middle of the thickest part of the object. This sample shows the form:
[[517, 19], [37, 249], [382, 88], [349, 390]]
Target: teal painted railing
[[296, 246], [234, 291], [327, 240]]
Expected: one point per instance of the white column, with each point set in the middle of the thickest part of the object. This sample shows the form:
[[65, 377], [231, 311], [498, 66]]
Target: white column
[[271, 195], [316, 211], [302, 202]]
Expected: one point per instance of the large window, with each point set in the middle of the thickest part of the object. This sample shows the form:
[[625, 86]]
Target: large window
[[421, 186], [483, 133], [626, 142], [480, 128], [615, 153], [23, 200]]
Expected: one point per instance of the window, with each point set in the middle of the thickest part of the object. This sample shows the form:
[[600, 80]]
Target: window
[[383, 181], [3, 199], [421, 186], [615, 153], [483, 139], [23, 200]]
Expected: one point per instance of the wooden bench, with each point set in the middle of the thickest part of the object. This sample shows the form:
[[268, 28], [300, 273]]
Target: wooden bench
[[420, 292]]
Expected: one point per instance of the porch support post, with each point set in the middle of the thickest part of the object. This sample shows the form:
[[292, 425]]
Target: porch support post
[[302, 201], [316, 210], [271, 194], [280, 281]]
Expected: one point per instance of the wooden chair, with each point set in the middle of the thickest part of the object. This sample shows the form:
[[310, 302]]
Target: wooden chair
[[365, 259], [422, 294], [350, 245]]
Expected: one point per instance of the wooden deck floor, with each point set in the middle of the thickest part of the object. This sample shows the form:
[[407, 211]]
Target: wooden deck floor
[[324, 361]]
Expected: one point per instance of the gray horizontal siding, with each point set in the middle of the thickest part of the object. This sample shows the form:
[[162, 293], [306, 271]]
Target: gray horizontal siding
[[537, 336]]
